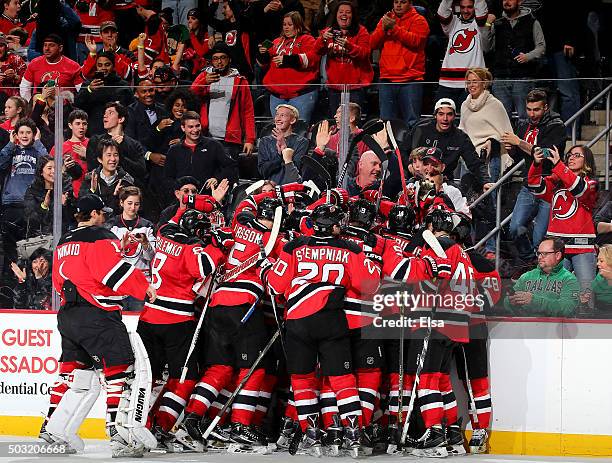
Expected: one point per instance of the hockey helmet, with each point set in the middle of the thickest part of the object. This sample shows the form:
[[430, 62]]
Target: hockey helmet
[[401, 218], [266, 209], [194, 223], [463, 227], [325, 216], [440, 220], [362, 212]]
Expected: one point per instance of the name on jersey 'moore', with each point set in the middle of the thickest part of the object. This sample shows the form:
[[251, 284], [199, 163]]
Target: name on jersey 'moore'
[[169, 247], [68, 249], [328, 254]]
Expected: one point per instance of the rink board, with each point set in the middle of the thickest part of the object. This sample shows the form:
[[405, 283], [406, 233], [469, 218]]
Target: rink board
[[550, 382]]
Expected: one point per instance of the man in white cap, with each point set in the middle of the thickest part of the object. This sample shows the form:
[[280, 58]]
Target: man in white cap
[[453, 142]]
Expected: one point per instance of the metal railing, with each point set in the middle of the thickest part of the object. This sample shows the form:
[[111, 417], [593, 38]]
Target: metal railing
[[575, 120]]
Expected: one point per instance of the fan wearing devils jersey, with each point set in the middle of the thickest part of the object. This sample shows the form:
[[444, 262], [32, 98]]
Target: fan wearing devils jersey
[[314, 274], [186, 254], [473, 356], [92, 279], [236, 326]]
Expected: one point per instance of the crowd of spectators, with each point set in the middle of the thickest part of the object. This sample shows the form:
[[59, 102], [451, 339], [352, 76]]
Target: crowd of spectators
[[165, 96]]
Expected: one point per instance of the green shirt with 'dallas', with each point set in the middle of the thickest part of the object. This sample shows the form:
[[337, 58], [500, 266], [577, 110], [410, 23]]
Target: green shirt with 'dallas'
[[555, 294]]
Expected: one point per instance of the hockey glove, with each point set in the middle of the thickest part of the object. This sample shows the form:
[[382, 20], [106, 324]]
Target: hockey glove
[[202, 203], [437, 267]]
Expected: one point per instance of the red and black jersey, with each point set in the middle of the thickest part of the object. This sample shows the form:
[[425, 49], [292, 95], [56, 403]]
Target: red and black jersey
[[246, 287], [316, 273], [489, 286], [359, 310], [180, 261], [90, 258], [572, 200], [455, 299]]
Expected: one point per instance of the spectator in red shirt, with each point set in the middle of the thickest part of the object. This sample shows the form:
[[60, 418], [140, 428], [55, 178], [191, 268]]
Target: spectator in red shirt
[[124, 59], [198, 45], [291, 60], [93, 14], [12, 68], [347, 46], [51, 66], [227, 112], [401, 35], [75, 149], [10, 17], [14, 109]]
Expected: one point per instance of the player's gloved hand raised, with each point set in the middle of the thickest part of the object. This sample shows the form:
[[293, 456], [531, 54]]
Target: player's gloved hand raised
[[286, 192], [339, 197], [438, 267], [202, 203]]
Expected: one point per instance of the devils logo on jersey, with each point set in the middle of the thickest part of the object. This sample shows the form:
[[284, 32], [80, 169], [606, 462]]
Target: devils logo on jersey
[[463, 41], [50, 75], [231, 38], [564, 205]]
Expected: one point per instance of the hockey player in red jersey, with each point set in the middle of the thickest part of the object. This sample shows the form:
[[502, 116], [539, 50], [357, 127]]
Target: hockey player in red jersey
[[92, 279], [186, 254], [314, 273], [450, 309], [236, 334], [473, 356]]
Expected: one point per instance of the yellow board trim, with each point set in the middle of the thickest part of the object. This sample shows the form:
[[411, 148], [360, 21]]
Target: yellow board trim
[[500, 443]]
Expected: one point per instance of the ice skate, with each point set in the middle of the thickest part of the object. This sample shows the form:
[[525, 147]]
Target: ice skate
[[288, 428], [195, 445], [120, 448], [332, 441], [168, 441], [44, 434], [367, 440], [352, 437], [454, 440], [311, 442], [431, 444], [247, 440], [192, 426], [393, 439], [478, 442]]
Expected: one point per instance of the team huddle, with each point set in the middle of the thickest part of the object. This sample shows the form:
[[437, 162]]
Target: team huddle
[[259, 335]]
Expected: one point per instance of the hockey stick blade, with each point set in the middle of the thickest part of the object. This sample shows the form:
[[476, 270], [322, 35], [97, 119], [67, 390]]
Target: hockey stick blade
[[317, 169], [433, 243]]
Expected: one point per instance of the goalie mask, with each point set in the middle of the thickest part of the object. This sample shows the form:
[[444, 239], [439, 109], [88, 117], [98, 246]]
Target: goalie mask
[[325, 216], [362, 213], [194, 223]]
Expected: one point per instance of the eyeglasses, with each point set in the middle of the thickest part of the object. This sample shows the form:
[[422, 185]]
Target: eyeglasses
[[575, 155], [220, 58], [189, 191], [545, 253]]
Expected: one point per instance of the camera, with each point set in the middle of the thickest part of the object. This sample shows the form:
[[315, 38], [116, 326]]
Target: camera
[[546, 153]]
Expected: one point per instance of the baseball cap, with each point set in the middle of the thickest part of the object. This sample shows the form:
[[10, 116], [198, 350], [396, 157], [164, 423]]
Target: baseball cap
[[219, 47], [108, 25], [445, 103], [90, 203], [186, 180], [54, 38], [433, 155]]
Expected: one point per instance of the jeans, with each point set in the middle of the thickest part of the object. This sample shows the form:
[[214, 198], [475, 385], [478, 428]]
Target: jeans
[[563, 68], [458, 95], [355, 96], [583, 266], [512, 94], [494, 173], [305, 104], [401, 101], [526, 209], [181, 8]]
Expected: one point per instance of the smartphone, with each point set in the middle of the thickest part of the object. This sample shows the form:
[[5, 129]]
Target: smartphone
[[546, 153], [267, 44], [99, 75]]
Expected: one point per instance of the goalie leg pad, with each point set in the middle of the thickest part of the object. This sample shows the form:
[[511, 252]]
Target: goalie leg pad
[[84, 388], [134, 404]]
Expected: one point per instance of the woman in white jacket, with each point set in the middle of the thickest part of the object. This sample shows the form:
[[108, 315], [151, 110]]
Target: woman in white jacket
[[137, 237], [484, 119]]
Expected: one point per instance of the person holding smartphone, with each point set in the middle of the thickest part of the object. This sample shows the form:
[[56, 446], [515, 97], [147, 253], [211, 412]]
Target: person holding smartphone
[[106, 86], [137, 237]]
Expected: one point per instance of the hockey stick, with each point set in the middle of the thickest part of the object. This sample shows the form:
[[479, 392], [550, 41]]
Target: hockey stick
[[196, 333], [248, 263], [399, 157], [368, 129], [278, 323], [318, 170], [434, 244], [231, 398]]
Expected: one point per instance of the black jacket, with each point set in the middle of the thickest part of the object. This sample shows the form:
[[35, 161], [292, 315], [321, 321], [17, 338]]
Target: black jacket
[[94, 102], [131, 157], [551, 132], [40, 220], [140, 128], [34, 293], [106, 191], [208, 160], [454, 144]]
